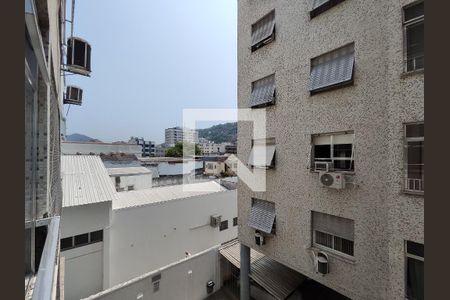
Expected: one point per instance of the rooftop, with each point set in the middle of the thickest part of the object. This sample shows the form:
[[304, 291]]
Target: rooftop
[[166, 193], [85, 180], [128, 171]]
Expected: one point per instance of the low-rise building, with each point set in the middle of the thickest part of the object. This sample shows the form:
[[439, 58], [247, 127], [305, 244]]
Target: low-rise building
[[215, 165], [147, 147], [130, 178]]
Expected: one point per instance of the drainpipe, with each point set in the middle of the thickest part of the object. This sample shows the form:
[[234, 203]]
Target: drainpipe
[[244, 273]]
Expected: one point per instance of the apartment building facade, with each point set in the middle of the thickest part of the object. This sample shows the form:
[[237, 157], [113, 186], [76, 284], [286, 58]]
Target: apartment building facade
[[341, 83], [178, 134]]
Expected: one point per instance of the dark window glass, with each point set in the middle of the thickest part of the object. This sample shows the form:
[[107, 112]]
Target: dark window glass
[[118, 180], [415, 130], [223, 225], [343, 245], [415, 279], [342, 150], [81, 239], [66, 243], [415, 46], [96, 236], [235, 221], [324, 239], [343, 165], [322, 151], [80, 52], [88, 58], [415, 248], [414, 11]]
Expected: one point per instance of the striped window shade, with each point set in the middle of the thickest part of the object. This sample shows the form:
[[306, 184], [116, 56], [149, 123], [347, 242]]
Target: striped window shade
[[262, 215], [334, 225], [332, 69], [263, 31], [317, 3], [262, 154], [263, 92]]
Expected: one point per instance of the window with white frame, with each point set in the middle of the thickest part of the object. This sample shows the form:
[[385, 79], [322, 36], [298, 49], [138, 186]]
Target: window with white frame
[[333, 69], [263, 31], [333, 233], [335, 151], [415, 263], [415, 167], [413, 26], [262, 154]]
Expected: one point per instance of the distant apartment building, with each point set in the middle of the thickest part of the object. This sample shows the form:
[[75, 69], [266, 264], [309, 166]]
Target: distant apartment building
[[211, 148], [43, 103], [178, 134], [160, 150], [108, 238], [148, 147], [342, 86], [97, 148]]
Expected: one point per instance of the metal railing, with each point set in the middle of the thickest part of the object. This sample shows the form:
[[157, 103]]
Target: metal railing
[[414, 184]]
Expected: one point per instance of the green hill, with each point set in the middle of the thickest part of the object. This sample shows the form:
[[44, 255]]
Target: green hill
[[221, 133]]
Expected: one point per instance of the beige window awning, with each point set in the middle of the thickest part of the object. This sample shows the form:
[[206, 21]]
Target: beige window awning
[[277, 279]]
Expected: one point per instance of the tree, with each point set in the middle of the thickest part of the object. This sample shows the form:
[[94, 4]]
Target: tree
[[177, 150]]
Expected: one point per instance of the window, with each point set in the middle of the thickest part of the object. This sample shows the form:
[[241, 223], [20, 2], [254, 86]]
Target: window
[[413, 26], [414, 144], [81, 239], [335, 149], [156, 280], [262, 216], [235, 221], [223, 225], [263, 92], [320, 6], [96, 236], [333, 232], [262, 154], [131, 187], [333, 69], [263, 31], [66, 243], [415, 271]]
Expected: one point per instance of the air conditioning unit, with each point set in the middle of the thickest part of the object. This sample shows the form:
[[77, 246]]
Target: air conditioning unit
[[78, 56], [321, 263], [333, 180], [259, 239], [215, 220], [74, 95], [325, 166]]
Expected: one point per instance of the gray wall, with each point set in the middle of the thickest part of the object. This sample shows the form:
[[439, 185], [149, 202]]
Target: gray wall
[[375, 108]]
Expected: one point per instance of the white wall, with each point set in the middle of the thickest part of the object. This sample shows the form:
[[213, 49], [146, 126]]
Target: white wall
[[97, 148], [139, 181], [148, 237], [184, 280], [165, 168], [85, 266]]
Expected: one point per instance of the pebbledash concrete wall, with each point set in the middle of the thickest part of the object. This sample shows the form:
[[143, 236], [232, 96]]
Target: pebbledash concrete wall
[[375, 107]]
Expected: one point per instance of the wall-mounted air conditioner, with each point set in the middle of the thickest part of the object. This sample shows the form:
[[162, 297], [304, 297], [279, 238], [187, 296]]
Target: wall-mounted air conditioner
[[325, 166], [321, 263], [333, 180], [78, 56], [215, 220], [259, 239], [74, 95]]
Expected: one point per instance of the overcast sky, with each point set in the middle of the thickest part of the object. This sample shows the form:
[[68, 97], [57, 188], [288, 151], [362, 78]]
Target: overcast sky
[[150, 60]]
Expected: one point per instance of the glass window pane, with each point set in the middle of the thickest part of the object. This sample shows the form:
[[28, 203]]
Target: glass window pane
[[342, 150], [96, 236], [81, 239], [343, 165], [415, 45], [324, 239], [322, 151], [415, 279], [66, 243], [415, 153], [223, 225], [415, 248], [414, 11], [415, 130]]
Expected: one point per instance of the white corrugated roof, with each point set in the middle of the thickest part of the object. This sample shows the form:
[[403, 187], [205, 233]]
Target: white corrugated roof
[[127, 171], [85, 180], [166, 193]]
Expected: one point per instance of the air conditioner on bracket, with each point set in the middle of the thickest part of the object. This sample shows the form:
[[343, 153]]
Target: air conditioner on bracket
[[333, 180], [215, 220], [321, 263]]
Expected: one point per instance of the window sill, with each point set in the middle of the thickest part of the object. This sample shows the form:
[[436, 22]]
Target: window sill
[[406, 74], [414, 193], [341, 257], [350, 173]]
